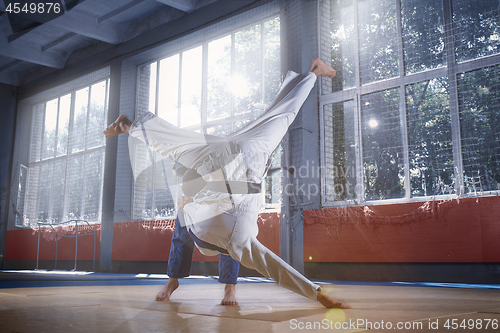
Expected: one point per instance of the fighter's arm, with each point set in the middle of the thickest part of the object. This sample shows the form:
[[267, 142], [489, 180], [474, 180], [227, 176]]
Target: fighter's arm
[[183, 201], [192, 183]]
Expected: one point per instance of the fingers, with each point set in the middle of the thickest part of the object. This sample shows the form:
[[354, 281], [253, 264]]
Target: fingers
[[184, 200]]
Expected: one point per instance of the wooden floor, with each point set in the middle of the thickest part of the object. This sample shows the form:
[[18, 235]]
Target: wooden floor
[[263, 307]]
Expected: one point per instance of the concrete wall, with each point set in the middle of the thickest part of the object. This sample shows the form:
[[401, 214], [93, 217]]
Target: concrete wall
[[302, 147], [8, 98]]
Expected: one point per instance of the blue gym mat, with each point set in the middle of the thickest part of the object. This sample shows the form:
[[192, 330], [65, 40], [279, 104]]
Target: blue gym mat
[[53, 278]]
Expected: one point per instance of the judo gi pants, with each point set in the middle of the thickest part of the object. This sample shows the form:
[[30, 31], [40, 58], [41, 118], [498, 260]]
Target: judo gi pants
[[181, 257]]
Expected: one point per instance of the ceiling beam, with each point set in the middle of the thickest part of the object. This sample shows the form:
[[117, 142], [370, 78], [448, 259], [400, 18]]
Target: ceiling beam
[[31, 53], [86, 25], [187, 6], [214, 12], [9, 65], [60, 40], [19, 34], [9, 79], [119, 10]]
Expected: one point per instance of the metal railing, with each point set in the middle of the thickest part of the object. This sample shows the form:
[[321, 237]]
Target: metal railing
[[52, 225]]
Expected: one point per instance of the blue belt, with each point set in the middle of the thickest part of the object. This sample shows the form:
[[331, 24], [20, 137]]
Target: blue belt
[[206, 245]]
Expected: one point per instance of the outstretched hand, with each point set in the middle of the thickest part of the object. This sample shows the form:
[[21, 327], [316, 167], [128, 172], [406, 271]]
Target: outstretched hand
[[183, 201]]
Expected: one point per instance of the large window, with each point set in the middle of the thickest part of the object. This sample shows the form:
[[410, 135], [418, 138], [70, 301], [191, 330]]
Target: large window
[[413, 111], [215, 87], [66, 162]]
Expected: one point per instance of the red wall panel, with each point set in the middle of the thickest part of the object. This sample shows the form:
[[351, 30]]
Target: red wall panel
[[132, 241], [464, 230], [22, 243], [151, 240]]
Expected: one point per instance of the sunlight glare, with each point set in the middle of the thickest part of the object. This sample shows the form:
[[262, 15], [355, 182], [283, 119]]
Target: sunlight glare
[[373, 123], [238, 85]]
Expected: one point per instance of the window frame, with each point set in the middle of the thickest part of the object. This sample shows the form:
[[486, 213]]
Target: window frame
[[40, 161], [205, 124], [450, 70]]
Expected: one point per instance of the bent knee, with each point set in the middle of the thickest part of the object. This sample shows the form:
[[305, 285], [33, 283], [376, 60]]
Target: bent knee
[[246, 252]]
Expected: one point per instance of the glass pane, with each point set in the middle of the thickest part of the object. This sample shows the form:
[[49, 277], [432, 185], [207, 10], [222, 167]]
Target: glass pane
[[93, 185], [63, 126], [21, 195], [246, 81], [142, 203], [76, 187], [429, 138], [164, 206], [49, 133], [31, 205], [342, 40], [340, 151], [191, 87], [143, 195], [218, 81], [43, 209], [476, 24], [240, 124], [378, 40], [168, 94], [220, 130], [423, 34], [272, 59], [479, 103], [96, 115], [58, 190], [383, 160], [36, 131], [80, 120]]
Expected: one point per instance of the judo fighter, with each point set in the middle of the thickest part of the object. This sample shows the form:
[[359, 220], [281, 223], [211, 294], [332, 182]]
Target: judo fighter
[[222, 216]]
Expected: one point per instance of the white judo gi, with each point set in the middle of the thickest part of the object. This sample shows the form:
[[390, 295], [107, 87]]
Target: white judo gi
[[227, 219]]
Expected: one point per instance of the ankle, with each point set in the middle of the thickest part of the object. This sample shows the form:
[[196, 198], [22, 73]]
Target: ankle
[[229, 287], [173, 281]]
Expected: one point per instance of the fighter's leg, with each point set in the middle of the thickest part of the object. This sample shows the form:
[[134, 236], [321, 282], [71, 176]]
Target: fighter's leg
[[267, 131], [319, 68], [229, 295], [167, 290], [228, 274], [179, 260], [254, 255], [181, 252]]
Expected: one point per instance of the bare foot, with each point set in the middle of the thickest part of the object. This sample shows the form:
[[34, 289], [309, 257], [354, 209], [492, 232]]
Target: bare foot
[[229, 295], [319, 68], [120, 125], [328, 302], [167, 290]]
